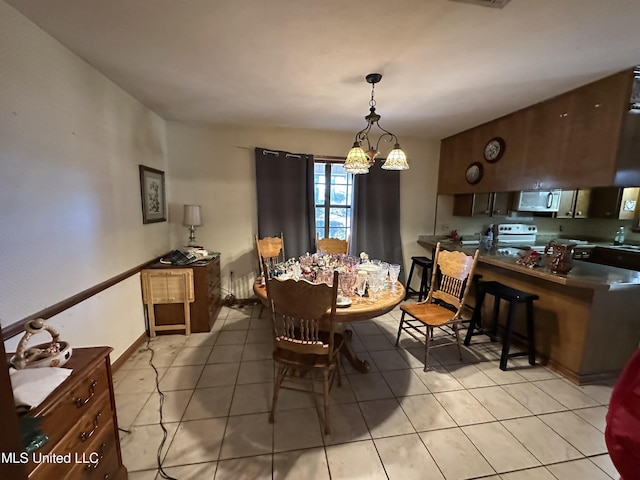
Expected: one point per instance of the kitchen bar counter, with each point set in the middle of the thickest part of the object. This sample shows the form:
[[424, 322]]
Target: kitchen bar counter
[[587, 324], [583, 274]]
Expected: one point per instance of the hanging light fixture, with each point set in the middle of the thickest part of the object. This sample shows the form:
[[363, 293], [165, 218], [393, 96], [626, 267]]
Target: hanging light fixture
[[359, 161]]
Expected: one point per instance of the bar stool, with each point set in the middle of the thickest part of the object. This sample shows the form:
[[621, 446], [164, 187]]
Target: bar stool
[[513, 297], [426, 264]]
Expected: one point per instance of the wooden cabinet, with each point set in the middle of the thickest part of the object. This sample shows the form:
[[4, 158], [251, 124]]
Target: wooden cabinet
[[574, 204], [482, 204], [587, 137], [79, 418], [461, 150], [605, 202], [208, 298]]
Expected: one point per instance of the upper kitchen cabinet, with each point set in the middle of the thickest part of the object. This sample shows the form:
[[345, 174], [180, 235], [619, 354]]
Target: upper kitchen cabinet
[[588, 137], [574, 204], [463, 155], [482, 204], [592, 134], [612, 202]]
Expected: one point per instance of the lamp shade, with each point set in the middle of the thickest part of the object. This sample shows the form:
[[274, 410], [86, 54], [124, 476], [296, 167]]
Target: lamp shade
[[192, 216], [396, 160], [357, 161]]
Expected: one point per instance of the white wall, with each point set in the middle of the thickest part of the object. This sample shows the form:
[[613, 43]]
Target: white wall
[[213, 165], [70, 215]]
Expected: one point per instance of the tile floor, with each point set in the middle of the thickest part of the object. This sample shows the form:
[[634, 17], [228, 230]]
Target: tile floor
[[458, 421]]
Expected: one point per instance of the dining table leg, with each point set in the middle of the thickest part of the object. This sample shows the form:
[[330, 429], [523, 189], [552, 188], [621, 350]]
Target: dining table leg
[[346, 350]]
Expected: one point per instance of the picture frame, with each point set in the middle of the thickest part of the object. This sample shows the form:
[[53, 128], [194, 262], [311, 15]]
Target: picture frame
[[152, 193]]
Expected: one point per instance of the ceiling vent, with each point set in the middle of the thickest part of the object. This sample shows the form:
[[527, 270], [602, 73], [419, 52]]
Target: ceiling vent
[[485, 3]]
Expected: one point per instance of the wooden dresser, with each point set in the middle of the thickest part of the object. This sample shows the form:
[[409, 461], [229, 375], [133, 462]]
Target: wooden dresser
[[79, 418], [208, 298]]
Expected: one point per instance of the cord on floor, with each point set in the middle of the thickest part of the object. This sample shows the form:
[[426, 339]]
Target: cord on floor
[[163, 474]]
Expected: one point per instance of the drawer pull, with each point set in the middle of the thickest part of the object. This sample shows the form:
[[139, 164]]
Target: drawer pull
[[84, 436], [92, 391], [93, 466]]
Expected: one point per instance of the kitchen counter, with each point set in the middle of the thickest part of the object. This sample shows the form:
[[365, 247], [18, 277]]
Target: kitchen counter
[[586, 322], [583, 275]]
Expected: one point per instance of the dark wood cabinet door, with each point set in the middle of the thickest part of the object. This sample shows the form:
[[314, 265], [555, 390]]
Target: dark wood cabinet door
[[583, 200], [594, 122], [605, 202], [546, 146], [501, 203]]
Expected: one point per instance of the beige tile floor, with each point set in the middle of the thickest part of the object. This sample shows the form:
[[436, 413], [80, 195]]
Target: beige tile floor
[[457, 421]]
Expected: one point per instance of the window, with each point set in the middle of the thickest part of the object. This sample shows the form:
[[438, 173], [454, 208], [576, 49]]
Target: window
[[333, 189]]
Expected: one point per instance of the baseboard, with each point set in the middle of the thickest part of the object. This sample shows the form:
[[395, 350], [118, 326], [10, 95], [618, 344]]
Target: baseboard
[[129, 352]]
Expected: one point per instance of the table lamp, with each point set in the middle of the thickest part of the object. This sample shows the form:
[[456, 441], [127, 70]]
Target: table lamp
[[192, 219]]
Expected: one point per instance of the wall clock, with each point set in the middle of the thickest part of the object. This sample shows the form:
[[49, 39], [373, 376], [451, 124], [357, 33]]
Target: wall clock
[[494, 149], [474, 173]]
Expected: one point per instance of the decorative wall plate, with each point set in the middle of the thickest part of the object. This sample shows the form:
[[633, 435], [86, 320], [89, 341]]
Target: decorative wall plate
[[474, 173], [494, 149]]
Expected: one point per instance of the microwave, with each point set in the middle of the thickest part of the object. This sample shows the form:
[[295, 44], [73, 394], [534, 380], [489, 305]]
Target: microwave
[[538, 201]]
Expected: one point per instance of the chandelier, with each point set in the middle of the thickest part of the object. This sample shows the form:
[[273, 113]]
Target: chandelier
[[359, 161]]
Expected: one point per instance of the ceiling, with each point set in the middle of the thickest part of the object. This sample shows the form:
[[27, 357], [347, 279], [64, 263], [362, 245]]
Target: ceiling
[[446, 66]]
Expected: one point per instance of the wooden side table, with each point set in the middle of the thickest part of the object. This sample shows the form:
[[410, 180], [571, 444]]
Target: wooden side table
[[207, 298]]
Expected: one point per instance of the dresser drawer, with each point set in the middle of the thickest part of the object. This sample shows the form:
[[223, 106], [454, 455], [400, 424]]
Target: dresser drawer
[[98, 431], [82, 398], [104, 463]]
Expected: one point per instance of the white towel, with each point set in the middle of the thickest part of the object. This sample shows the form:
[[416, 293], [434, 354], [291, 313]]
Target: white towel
[[32, 385]]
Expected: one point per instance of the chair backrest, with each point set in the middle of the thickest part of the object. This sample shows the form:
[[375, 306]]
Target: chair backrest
[[333, 245], [451, 277], [270, 250], [300, 311]]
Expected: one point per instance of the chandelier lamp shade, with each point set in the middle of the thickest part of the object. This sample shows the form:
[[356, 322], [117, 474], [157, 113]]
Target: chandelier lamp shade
[[358, 160]]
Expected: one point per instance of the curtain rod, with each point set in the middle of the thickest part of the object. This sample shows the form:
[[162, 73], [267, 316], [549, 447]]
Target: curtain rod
[[316, 157]]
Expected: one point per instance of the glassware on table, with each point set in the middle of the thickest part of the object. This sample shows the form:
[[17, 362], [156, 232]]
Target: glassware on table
[[296, 271], [346, 281], [394, 272], [361, 283], [325, 276], [376, 282], [385, 272]]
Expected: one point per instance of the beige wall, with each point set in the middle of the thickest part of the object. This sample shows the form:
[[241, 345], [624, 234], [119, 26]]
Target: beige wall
[[70, 214], [213, 165], [70, 145]]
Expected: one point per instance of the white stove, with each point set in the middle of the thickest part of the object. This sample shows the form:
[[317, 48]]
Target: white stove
[[517, 234]]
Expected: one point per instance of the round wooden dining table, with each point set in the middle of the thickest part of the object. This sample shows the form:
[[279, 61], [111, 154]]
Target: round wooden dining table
[[360, 309]]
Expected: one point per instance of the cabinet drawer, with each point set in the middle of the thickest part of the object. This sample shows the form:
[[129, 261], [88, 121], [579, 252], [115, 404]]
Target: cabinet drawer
[[59, 419], [98, 430], [104, 462]]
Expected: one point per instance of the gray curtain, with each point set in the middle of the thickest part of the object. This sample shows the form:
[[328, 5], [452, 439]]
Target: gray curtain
[[376, 216], [285, 199]]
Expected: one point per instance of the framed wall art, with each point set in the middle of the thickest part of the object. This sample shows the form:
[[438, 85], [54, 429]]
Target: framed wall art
[[153, 195]]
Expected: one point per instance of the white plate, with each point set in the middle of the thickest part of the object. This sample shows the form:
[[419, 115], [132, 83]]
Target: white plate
[[345, 302]]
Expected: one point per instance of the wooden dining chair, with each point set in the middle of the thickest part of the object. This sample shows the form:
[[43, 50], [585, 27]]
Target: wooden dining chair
[[304, 339], [445, 302], [332, 245], [270, 250]]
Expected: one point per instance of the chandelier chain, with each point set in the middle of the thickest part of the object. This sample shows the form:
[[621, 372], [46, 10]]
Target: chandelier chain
[[372, 102]]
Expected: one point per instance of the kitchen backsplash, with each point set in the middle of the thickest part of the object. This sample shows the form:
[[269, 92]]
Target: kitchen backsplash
[[548, 228]]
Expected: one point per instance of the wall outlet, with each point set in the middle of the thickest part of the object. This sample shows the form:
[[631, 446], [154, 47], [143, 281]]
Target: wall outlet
[[560, 228], [445, 228]]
